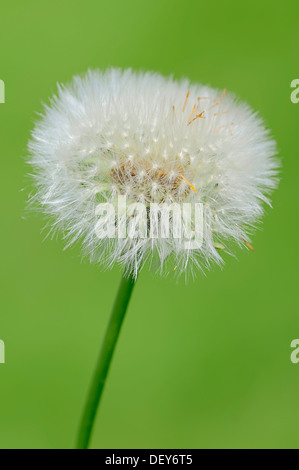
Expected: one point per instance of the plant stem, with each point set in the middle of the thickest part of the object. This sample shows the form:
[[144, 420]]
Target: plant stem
[[102, 368]]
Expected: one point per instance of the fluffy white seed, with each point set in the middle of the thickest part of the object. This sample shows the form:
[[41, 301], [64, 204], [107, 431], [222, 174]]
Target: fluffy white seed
[[154, 140]]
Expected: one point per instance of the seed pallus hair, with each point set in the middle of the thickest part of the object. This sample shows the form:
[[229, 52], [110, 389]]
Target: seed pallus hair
[[154, 140]]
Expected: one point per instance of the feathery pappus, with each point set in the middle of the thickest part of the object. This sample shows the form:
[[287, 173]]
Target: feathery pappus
[[152, 140]]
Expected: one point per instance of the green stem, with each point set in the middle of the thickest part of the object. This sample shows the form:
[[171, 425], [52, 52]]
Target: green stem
[[110, 340]]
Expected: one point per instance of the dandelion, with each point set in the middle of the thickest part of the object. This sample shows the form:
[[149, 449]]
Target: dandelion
[[153, 141]]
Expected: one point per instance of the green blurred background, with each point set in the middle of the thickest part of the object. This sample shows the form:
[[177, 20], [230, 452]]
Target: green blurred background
[[203, 365]]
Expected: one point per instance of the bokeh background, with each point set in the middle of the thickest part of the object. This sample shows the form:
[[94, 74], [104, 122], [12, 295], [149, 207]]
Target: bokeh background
[[203, 365]]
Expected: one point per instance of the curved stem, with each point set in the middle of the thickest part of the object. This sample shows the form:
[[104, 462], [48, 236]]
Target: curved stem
[[102, 368]]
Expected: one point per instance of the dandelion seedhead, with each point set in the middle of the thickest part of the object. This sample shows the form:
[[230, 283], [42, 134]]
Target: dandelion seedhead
[[151, 140]]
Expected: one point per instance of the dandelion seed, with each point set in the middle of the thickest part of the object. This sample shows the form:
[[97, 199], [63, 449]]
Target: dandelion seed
[[187, 96], [191, 186], [106, 135], [248, 244]]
